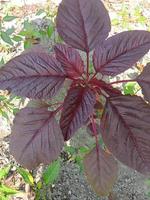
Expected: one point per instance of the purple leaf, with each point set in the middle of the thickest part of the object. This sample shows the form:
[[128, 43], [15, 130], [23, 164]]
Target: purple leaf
[[144, 81], [120, 52], [101, 171], [82, 24], [36, 137], [34, 75], [70, 60], [78, 105], [106, 87], [126, 131]]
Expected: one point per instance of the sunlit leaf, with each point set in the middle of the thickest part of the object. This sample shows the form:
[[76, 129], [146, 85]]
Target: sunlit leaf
[[51, 173], [5, 37], [26, 175], [4, 171], [9, 18]]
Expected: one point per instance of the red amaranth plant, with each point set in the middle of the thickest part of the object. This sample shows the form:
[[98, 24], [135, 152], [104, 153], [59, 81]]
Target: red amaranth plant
[[37, 137]]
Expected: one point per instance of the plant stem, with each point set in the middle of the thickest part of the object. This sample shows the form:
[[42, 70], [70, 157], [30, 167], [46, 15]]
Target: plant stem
[[95, 134], [122, 81], [94, 75], [88, 64], [58, 109]]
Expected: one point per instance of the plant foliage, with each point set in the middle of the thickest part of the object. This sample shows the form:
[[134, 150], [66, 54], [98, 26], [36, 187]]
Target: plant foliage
[[37, 137]]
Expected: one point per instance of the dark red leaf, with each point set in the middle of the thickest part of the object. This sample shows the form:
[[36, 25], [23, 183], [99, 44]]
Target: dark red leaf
[[70, 60], [101, 171], [126, 131], [144, 81], [36, 137], [82, 24], [78, 105], [106, 87], [120, 52], [34, 75]]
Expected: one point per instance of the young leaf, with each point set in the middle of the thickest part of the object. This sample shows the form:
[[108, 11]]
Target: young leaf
[[3, 197], [7, 190], [120, 52], [2, 62], [50, 30], [6, 38], [34, 74], [144, 81], [51, 173], [11, 30], [4, 172], [106, 87], [129, 88], [27, 176], [17, 38], [126, 131], [82, 24], [9, 18], [78, 105], [36, 137], [27, 44], [101, 171], [70, 60]]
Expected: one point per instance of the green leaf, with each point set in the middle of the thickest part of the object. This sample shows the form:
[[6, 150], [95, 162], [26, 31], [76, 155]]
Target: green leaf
[[2, 62], [115, 22], [71, 150], [84, 150], [5, 37], [51, 173], [4, 172], [2, 98], [9, 31], [50, 31], [3, 197], [79, 162], [17, 38], [7, 190], [147, 182], [15, 111], [9, 18], [39, 12], [27, 44], [27, 176], [39, 185], [130, 88], [4, 114]]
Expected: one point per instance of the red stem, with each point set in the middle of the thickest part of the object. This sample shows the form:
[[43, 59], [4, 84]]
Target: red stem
[[95, 134], [88, 65], [94, 75], [122, 81], [58, 109]]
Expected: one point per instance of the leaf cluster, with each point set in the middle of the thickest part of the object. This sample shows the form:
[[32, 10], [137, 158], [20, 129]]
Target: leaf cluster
[[38, 137]]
